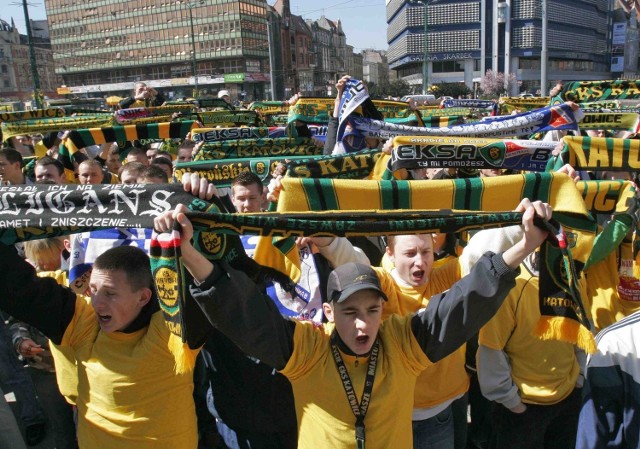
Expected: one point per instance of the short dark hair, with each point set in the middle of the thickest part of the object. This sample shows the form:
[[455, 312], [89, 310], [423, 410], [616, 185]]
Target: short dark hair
[[134, 167], [132, 260], [187, 143], [162, 161], [153, 171], [247, 178], [47, 160], [11, 155], [163, 153], [91, 163], [136, 151]]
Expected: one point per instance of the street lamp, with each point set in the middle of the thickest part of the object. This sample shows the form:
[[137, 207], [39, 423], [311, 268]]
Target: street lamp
[[193, 49], [544, 52], [37, 99], [425, 54]]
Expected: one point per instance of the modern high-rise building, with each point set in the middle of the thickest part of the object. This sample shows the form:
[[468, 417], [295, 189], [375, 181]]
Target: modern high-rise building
[[106, 46], [467, 37]]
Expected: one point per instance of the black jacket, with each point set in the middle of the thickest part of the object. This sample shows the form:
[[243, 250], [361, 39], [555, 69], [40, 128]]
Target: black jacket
[[249, 318]]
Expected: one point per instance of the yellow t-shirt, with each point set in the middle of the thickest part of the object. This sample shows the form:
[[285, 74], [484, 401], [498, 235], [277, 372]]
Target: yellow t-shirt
[[611, 297], [325, 418], [64, 358], [545, 371], [447, 378], [129, 395]]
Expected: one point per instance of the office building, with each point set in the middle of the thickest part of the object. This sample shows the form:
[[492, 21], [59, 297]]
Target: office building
[[467, 37], [105, 47]]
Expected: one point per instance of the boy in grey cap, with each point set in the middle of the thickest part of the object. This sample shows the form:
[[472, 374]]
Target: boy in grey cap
[[354, 377]]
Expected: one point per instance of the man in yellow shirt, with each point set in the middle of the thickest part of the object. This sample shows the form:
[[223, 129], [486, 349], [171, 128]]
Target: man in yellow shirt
[[329, 365], [535, 384], [129, 394]]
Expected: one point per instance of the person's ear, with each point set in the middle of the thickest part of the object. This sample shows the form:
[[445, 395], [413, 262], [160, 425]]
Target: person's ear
[[328, 312], [389, 253], [145, 296]]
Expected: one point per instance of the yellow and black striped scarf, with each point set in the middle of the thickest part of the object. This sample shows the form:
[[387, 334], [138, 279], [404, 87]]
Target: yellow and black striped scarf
[[95, 136]]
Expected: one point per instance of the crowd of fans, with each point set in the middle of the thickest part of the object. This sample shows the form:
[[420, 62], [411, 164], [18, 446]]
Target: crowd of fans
[[421, 340]]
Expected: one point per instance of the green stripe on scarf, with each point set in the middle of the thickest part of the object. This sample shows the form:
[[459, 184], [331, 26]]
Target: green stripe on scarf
[[468, 193], [394, 195]]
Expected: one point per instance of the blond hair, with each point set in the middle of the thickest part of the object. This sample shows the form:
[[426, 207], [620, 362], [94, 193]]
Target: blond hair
[[44, 248]]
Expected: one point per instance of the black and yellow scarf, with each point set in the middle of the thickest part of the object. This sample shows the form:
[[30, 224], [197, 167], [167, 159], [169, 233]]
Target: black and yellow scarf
[[81, 138]]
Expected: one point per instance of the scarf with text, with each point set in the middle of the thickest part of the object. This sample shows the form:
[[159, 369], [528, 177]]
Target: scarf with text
[[127, 116], [251, 148], [467, 103], [599, 105], [614, 198], [356, 165], [229, 118], [222, 172], [211, 135], [269, 107], [450, 152], [507, 105], [46, 125], [588, 91], [43, 211], [558, 117], [32, 114], [354, 96], [461, 112], [616, 121], [599, 153]]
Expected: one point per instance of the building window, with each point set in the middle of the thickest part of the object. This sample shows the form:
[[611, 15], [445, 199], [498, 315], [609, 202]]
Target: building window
[[4, 69]]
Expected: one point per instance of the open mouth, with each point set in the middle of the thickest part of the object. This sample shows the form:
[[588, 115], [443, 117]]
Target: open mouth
[[104, 318], [361, 339], [418, 275]]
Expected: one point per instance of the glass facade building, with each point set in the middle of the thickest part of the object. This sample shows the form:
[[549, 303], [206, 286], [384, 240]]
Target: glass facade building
[[466, 38]]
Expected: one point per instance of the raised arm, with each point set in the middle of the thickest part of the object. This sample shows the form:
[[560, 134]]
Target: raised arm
[[232, 302], [452, 317]]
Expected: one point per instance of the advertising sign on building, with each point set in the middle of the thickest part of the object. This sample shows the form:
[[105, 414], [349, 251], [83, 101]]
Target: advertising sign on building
[[233, 77], [617, 63], [619, 31], [618, 37]]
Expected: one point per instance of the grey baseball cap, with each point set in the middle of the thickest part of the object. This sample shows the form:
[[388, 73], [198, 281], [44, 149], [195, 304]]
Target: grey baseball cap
[[349, 278]]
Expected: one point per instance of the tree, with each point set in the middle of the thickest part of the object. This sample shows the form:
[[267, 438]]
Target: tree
[[492, 84], [454, 90], [396, 88]]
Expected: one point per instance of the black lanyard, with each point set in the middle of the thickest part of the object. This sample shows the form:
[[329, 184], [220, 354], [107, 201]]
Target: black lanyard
[[359, 409]]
